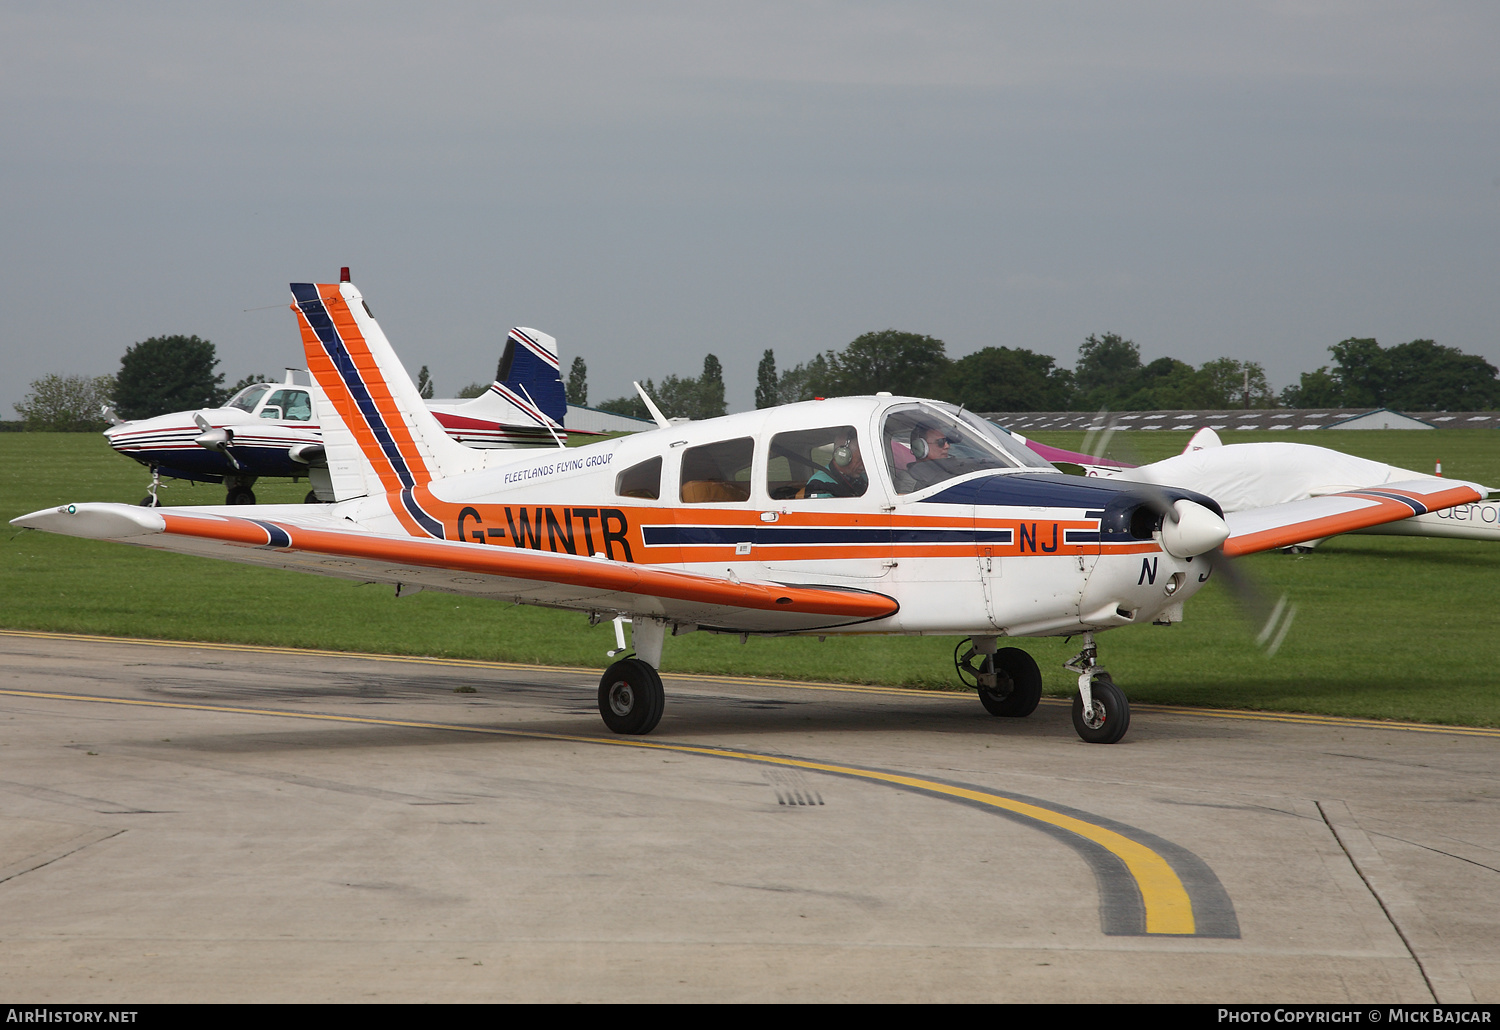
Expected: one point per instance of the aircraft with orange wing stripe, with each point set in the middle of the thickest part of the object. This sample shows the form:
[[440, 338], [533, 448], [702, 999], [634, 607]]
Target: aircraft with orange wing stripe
[[852, 515]]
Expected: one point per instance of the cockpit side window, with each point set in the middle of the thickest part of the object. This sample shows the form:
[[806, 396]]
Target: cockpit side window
[[717, 472], [642, 480], [290, 405], [816, 463], [925, 446], [249, 397]]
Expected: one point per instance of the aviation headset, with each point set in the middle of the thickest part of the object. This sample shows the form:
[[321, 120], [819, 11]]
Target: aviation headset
[[918, 442], [843, 454]]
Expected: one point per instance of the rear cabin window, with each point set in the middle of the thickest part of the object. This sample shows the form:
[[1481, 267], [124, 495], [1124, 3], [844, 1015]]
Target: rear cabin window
[[816, 463], [717, 472], [642, 480]]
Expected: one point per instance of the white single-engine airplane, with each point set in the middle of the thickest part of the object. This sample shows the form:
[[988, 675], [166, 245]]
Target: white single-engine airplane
[[274, 429], [1242, 476], [852, 515]]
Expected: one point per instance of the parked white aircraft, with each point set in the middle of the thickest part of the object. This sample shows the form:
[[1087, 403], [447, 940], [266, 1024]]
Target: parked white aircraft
[[273, 429], [1252, 475], [853, 515]]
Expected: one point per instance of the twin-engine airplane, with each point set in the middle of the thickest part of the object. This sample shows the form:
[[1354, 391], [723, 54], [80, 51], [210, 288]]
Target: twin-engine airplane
[[274, 429], [852, 515]]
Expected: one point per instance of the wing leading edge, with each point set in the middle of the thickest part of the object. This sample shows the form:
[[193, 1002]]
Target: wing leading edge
[[331, 547]]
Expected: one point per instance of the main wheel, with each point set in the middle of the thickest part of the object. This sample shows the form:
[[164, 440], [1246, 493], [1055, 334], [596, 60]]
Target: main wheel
[[311, 498], [1018, 685], [150, 502], [240, 495], [630, 697], [1108, 717]]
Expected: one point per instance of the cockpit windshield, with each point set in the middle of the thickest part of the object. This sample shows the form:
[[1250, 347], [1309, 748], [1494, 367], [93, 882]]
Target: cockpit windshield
[[1024, 456], [249, 397], [928, 443]]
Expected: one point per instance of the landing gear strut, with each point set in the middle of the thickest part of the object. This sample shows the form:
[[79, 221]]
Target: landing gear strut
[[151, 500], [1008, 680], [1101, 714]]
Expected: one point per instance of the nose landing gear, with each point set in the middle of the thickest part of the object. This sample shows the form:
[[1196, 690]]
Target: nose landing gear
[[1101, 713]]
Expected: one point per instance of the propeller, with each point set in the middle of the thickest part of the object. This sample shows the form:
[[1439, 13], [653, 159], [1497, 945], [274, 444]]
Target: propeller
[[1190, 530], [215, 439]]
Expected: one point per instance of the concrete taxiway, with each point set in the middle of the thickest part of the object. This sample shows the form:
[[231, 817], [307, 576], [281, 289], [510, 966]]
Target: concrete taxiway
[[213, 823]]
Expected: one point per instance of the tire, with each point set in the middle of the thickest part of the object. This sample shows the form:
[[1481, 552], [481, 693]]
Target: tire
[[240, 495], [150, 502], [311, 498], [1018, 699], [631, 698], [1110, 717]]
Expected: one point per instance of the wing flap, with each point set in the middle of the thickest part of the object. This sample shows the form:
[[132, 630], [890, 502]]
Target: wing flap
[[323, 545], [1282, 525]]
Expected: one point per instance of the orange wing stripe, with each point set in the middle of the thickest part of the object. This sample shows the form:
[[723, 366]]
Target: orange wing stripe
[[1381, 511], [544, 567]]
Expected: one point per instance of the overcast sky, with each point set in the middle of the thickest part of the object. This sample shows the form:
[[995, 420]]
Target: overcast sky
[[650, 182]]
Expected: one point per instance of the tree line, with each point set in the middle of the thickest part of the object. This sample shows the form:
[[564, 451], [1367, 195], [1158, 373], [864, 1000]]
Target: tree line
[[1108, 374], [176, 373]]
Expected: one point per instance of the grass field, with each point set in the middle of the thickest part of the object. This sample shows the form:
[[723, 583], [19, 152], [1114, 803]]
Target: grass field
[[1387, 627]]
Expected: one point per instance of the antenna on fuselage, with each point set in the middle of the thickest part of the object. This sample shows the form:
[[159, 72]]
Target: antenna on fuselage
[[547, 424], [661, 420]]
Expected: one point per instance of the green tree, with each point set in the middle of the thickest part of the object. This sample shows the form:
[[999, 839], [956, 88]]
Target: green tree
[[1426, 376], [473, 390], [1416, 376], [711, 402], [766, 394], [1224, 384], [1006, 379], [1164, 385], [1317, 389], [630, 404], [901, 362], [807, 380], [167, 373], [66, 404], [424, 383], [1107, 371], [578, 382]]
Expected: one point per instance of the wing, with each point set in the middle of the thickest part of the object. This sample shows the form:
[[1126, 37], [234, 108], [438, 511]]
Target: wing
[[1281, 525], [285, 536]]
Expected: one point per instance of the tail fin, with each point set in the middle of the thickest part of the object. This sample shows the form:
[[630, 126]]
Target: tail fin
[[528, 377], [377, 432], [526, 404]]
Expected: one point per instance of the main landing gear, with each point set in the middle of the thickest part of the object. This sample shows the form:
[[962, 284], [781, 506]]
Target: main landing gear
[[1010, 685], [631, 698], [1008, 680], [237, 489]]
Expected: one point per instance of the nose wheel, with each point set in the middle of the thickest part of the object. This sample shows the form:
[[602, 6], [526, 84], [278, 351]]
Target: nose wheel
[[1101, 713], [1106, 717]]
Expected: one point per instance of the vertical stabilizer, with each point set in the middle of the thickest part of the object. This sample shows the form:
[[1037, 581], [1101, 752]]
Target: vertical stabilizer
[[529, 377], [377, 432]]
